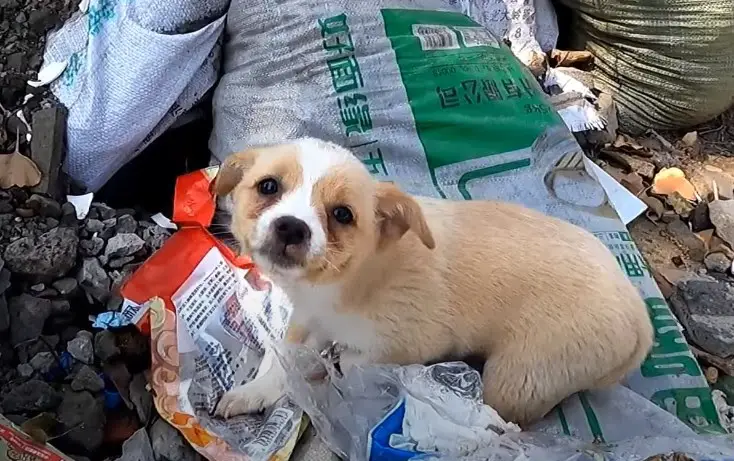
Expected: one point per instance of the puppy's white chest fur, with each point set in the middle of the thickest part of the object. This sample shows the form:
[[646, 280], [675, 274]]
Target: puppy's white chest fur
[[316, 308]]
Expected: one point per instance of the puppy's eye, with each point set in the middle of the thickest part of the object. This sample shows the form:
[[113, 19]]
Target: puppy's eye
[[268, 186], [343, 215]]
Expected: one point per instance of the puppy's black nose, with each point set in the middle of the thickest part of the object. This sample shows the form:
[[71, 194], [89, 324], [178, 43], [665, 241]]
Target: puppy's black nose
[[291, 230]]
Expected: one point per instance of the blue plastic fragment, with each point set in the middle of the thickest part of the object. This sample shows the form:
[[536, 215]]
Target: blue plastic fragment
[[107, 320]]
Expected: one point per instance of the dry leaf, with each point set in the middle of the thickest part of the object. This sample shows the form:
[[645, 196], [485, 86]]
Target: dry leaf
[[633, 182], [669, 180], [563, 58], [682, 207], [655, 207], [18, 170], [39, 427]]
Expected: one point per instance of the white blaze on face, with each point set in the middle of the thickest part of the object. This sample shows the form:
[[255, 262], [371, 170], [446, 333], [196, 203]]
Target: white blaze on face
[[316, 158]]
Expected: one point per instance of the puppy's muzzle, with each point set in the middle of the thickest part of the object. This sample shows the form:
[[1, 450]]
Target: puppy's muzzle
[[288, 242]]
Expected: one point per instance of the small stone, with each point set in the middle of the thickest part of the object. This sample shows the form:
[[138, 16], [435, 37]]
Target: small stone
[[94, 225], [53, 254], [25, 370], [83, 416], [683, 234], [126, 224], [169, 444], [124, 245], [704, 309], [103, 211], [44, 206], [712, 375], [81, 348], [17, 61], [43, 362], [52, 222], [39, 287], [4, 314], [87, 379], [4, 280], [25, 213], [137, 448], [117, 263], [91, 247], [33, 396], [721, 213], [105, 346], [66, 286], [141, 398], [28, 314], [103, 260], [21, 18], [68, 214], [40, 20], [717, 262], [94, 280]]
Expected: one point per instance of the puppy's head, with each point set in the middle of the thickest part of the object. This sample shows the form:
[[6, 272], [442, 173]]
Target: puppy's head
[[310, 210]]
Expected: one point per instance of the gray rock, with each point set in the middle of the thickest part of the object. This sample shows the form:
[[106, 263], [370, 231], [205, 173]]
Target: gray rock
[[38, 288], [717, 262], [103, 211], [84, 416], [105, 346], [118, 263], [91, 247], [31, 396], [137, 448], [86, 379], [685, 236], [169, 444], [68, 214], [25, 370], [4, 314], [82, 348], [4, 280], [43, 362], [126, 224], [721, 213], [94, 225], [141, 398], [53, 254], [27, 317], [66, 286], [123, 245], [44, 206], [94, 280], [705, 308]]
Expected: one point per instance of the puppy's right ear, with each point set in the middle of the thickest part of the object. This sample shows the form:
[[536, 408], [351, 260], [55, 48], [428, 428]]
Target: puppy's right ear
[[231, 171]]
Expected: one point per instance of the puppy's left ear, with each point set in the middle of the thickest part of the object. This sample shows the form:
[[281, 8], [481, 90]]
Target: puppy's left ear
[[398, 212], [231, 171]]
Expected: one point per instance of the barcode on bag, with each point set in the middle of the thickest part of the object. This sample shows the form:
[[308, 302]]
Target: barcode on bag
[[273, 431], [477, 36], [434, 37]]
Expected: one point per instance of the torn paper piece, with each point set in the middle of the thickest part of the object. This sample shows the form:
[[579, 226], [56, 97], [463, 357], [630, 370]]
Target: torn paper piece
[[81, 204], [581, 116], [49, 74], [626, 204], [163, 222], [567, 84]]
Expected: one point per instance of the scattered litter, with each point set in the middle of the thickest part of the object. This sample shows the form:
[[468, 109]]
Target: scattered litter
[[669, 180], [111, 319], [81, 204], [49, 74], [581, 116], [21, 117], [726, 411], [164, 222], [563, 58], [15, 444], [84, 5], [567, 84], [626, 204]]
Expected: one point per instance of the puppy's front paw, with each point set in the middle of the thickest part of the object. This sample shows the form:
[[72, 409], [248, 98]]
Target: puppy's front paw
[[248, 398]]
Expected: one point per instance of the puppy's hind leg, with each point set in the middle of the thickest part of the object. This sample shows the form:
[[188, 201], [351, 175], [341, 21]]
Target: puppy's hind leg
[[521, 387]]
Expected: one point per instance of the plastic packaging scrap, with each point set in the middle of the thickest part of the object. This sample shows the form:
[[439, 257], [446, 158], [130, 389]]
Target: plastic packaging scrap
[[131, 68], [209, 315], [435, 412], [16, 445]]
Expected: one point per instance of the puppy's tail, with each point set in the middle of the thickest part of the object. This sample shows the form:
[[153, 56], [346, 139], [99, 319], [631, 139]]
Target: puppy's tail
[[644, 341]]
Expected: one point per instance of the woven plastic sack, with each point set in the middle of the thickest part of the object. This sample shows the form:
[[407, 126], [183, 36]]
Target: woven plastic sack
[[668, 63], [132, 68]]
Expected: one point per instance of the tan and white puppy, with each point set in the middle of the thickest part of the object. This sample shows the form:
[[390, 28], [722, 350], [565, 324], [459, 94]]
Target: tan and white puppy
[[401, 279]]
